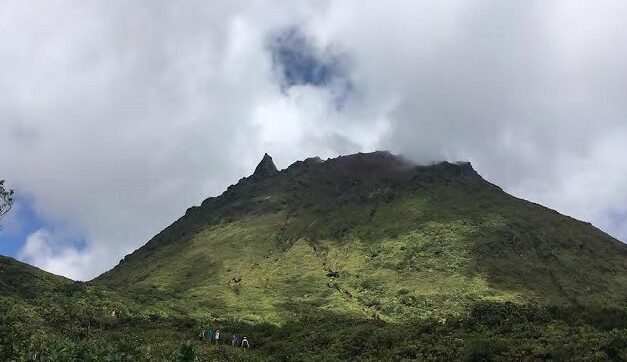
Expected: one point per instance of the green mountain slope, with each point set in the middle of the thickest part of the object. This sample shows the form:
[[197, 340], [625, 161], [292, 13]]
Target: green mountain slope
[[361, 257], [45, 317], [19, 280], [370, 236]]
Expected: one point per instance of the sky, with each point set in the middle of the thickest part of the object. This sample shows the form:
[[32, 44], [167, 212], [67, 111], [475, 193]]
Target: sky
[[117, 116]]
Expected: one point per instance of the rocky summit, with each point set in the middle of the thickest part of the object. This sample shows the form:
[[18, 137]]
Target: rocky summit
[[266, 167], [367, 256]]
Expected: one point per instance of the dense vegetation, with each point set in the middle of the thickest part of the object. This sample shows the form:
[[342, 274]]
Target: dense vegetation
[[490, 331], [364, 256]]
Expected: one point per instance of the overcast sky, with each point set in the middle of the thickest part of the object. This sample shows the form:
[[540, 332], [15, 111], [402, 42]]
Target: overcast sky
[[116, 116]]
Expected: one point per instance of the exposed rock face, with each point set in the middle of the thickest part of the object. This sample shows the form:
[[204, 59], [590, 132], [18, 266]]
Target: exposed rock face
[[266, 167], [326, 178], [380, 165]]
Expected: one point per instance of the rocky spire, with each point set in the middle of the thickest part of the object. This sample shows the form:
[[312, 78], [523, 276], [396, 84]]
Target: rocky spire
[[266, 167]]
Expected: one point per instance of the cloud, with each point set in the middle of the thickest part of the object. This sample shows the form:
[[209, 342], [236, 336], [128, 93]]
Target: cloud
[[531, 92], [116, 116], [40, 249]]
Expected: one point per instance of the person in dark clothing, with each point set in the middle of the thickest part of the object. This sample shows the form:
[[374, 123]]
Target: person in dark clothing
[[209, 335], [235, 341]]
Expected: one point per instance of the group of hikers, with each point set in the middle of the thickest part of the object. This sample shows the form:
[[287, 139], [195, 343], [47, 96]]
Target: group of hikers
[[214, 337]]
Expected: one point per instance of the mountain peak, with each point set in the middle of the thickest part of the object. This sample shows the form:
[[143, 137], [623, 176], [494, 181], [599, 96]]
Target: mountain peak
[[266, 167]]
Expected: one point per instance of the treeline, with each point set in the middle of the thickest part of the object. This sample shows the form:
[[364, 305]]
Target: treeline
[[490, 331]]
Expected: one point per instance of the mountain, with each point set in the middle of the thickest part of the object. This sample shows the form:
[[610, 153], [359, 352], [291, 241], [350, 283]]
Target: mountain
[[372, 235], [370, 256]]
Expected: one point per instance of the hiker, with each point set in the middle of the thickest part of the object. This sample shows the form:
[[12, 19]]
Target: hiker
[[216, 336], [245, 343], [201, 335], [209, 335], [235, 341]]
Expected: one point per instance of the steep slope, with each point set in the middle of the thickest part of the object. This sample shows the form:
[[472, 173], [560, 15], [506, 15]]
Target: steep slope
[[26, 282], [370, 236]]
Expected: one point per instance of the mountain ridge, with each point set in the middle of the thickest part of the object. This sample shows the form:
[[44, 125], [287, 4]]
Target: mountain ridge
[[345, 164]]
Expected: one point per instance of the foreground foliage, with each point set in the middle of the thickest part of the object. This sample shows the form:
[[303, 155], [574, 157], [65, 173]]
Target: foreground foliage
[[490, 331]]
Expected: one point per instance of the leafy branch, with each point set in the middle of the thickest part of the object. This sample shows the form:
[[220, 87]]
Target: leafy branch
[[6, 199]]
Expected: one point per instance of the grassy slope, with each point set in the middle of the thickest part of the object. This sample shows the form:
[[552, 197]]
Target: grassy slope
[[60, 320], [363, 237], [357, 257], [24, 281]]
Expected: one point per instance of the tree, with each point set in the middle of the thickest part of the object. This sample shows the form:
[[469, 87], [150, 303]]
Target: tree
[[6, 199]]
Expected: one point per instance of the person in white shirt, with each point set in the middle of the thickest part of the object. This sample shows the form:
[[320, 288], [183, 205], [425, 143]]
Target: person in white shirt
[[245, 343], [216, 336]]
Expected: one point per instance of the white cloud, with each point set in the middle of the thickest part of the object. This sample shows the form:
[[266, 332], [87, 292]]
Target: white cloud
[[531, 92], [116, 116], [41, 250]]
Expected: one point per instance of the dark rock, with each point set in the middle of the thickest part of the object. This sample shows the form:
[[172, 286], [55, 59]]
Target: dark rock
[[266, 167], [312, 160]]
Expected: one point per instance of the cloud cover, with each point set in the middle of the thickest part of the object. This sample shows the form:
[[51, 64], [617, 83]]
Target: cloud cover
[[117, 116]]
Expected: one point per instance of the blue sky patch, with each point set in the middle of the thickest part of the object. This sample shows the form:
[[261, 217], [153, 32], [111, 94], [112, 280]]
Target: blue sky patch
[[298, 61], [23, 221], [18, 226]]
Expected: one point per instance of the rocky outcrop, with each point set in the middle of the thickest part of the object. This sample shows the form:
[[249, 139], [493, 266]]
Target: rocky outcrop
[[265, 168]]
